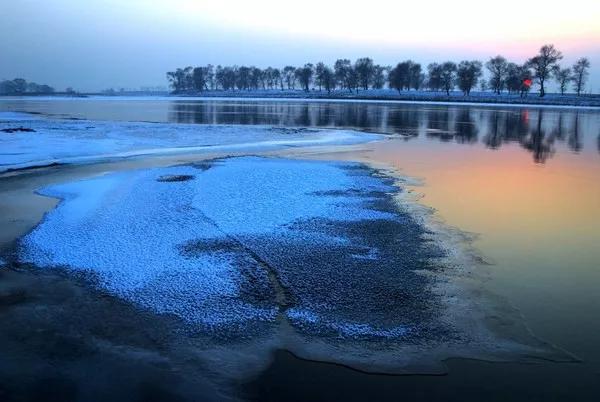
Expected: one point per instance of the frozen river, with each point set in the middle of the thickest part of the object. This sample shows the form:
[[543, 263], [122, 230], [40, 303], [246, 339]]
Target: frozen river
[[514, 189]]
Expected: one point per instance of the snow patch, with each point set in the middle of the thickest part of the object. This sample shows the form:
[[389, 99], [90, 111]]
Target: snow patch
[[183, 247], [126, 229]]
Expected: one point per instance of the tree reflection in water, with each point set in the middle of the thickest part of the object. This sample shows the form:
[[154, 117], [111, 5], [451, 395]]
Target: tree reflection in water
[[536, 130], [536, 141]]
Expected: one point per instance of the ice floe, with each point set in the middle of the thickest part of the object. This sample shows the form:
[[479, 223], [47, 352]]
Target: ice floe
[[78, 141], [203, 248]]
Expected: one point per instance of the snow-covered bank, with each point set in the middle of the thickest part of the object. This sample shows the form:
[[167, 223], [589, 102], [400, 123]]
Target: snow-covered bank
[[551, 100], [455, 97], [55, 141]]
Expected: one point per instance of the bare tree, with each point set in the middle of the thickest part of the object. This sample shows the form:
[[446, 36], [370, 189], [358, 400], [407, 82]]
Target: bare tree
[[210, 77], [379, 73], [364, 68], [543, 64], [448, 76], [269, 77], [513, 79], [518, 79], [289, 74], [328, 79], [483, 85], [434, 76], [405, 75], [304, 75], [526, 79], [320, 74], [324, 77], [256, 78], [278, 78], [225, 77], [352, 80], [468, 72], [259, 76], [199, 78], [399, 76], [416, 77], [244, 78], [181, 79], [498, 68], [562, 76], [344, 74], [580, 74]]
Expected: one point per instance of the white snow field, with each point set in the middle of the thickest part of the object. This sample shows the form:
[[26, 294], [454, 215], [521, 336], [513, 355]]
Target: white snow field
[[79, 141], [178, 240]]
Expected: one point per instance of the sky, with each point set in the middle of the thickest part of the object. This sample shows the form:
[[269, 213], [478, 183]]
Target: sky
[[92, 45]]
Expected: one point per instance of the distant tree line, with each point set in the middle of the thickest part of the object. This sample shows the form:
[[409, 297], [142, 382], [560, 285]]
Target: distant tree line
[[20, 86], [405, 76]]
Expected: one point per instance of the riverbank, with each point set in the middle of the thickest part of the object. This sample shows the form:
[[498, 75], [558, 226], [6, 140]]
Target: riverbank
[[382, 95], [457, 97]]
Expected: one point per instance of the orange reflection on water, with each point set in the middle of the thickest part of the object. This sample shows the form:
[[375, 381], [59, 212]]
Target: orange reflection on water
[[502, 194], [538, 223]]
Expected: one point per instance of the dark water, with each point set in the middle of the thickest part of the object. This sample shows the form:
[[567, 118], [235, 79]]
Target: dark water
[[537, 130], [525, 179]]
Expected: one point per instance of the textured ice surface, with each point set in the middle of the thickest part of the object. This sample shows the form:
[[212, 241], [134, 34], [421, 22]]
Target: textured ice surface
[[308, 320], [128, 230], [265, 195], [77, 141], [224, 247], [334, 237]]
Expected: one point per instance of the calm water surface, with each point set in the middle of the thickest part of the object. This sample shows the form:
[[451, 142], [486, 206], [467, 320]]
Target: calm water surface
[[525, 179]]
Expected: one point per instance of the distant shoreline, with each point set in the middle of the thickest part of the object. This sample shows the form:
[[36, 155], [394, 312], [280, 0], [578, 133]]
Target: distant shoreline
[[456, 97], [409, 96]]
